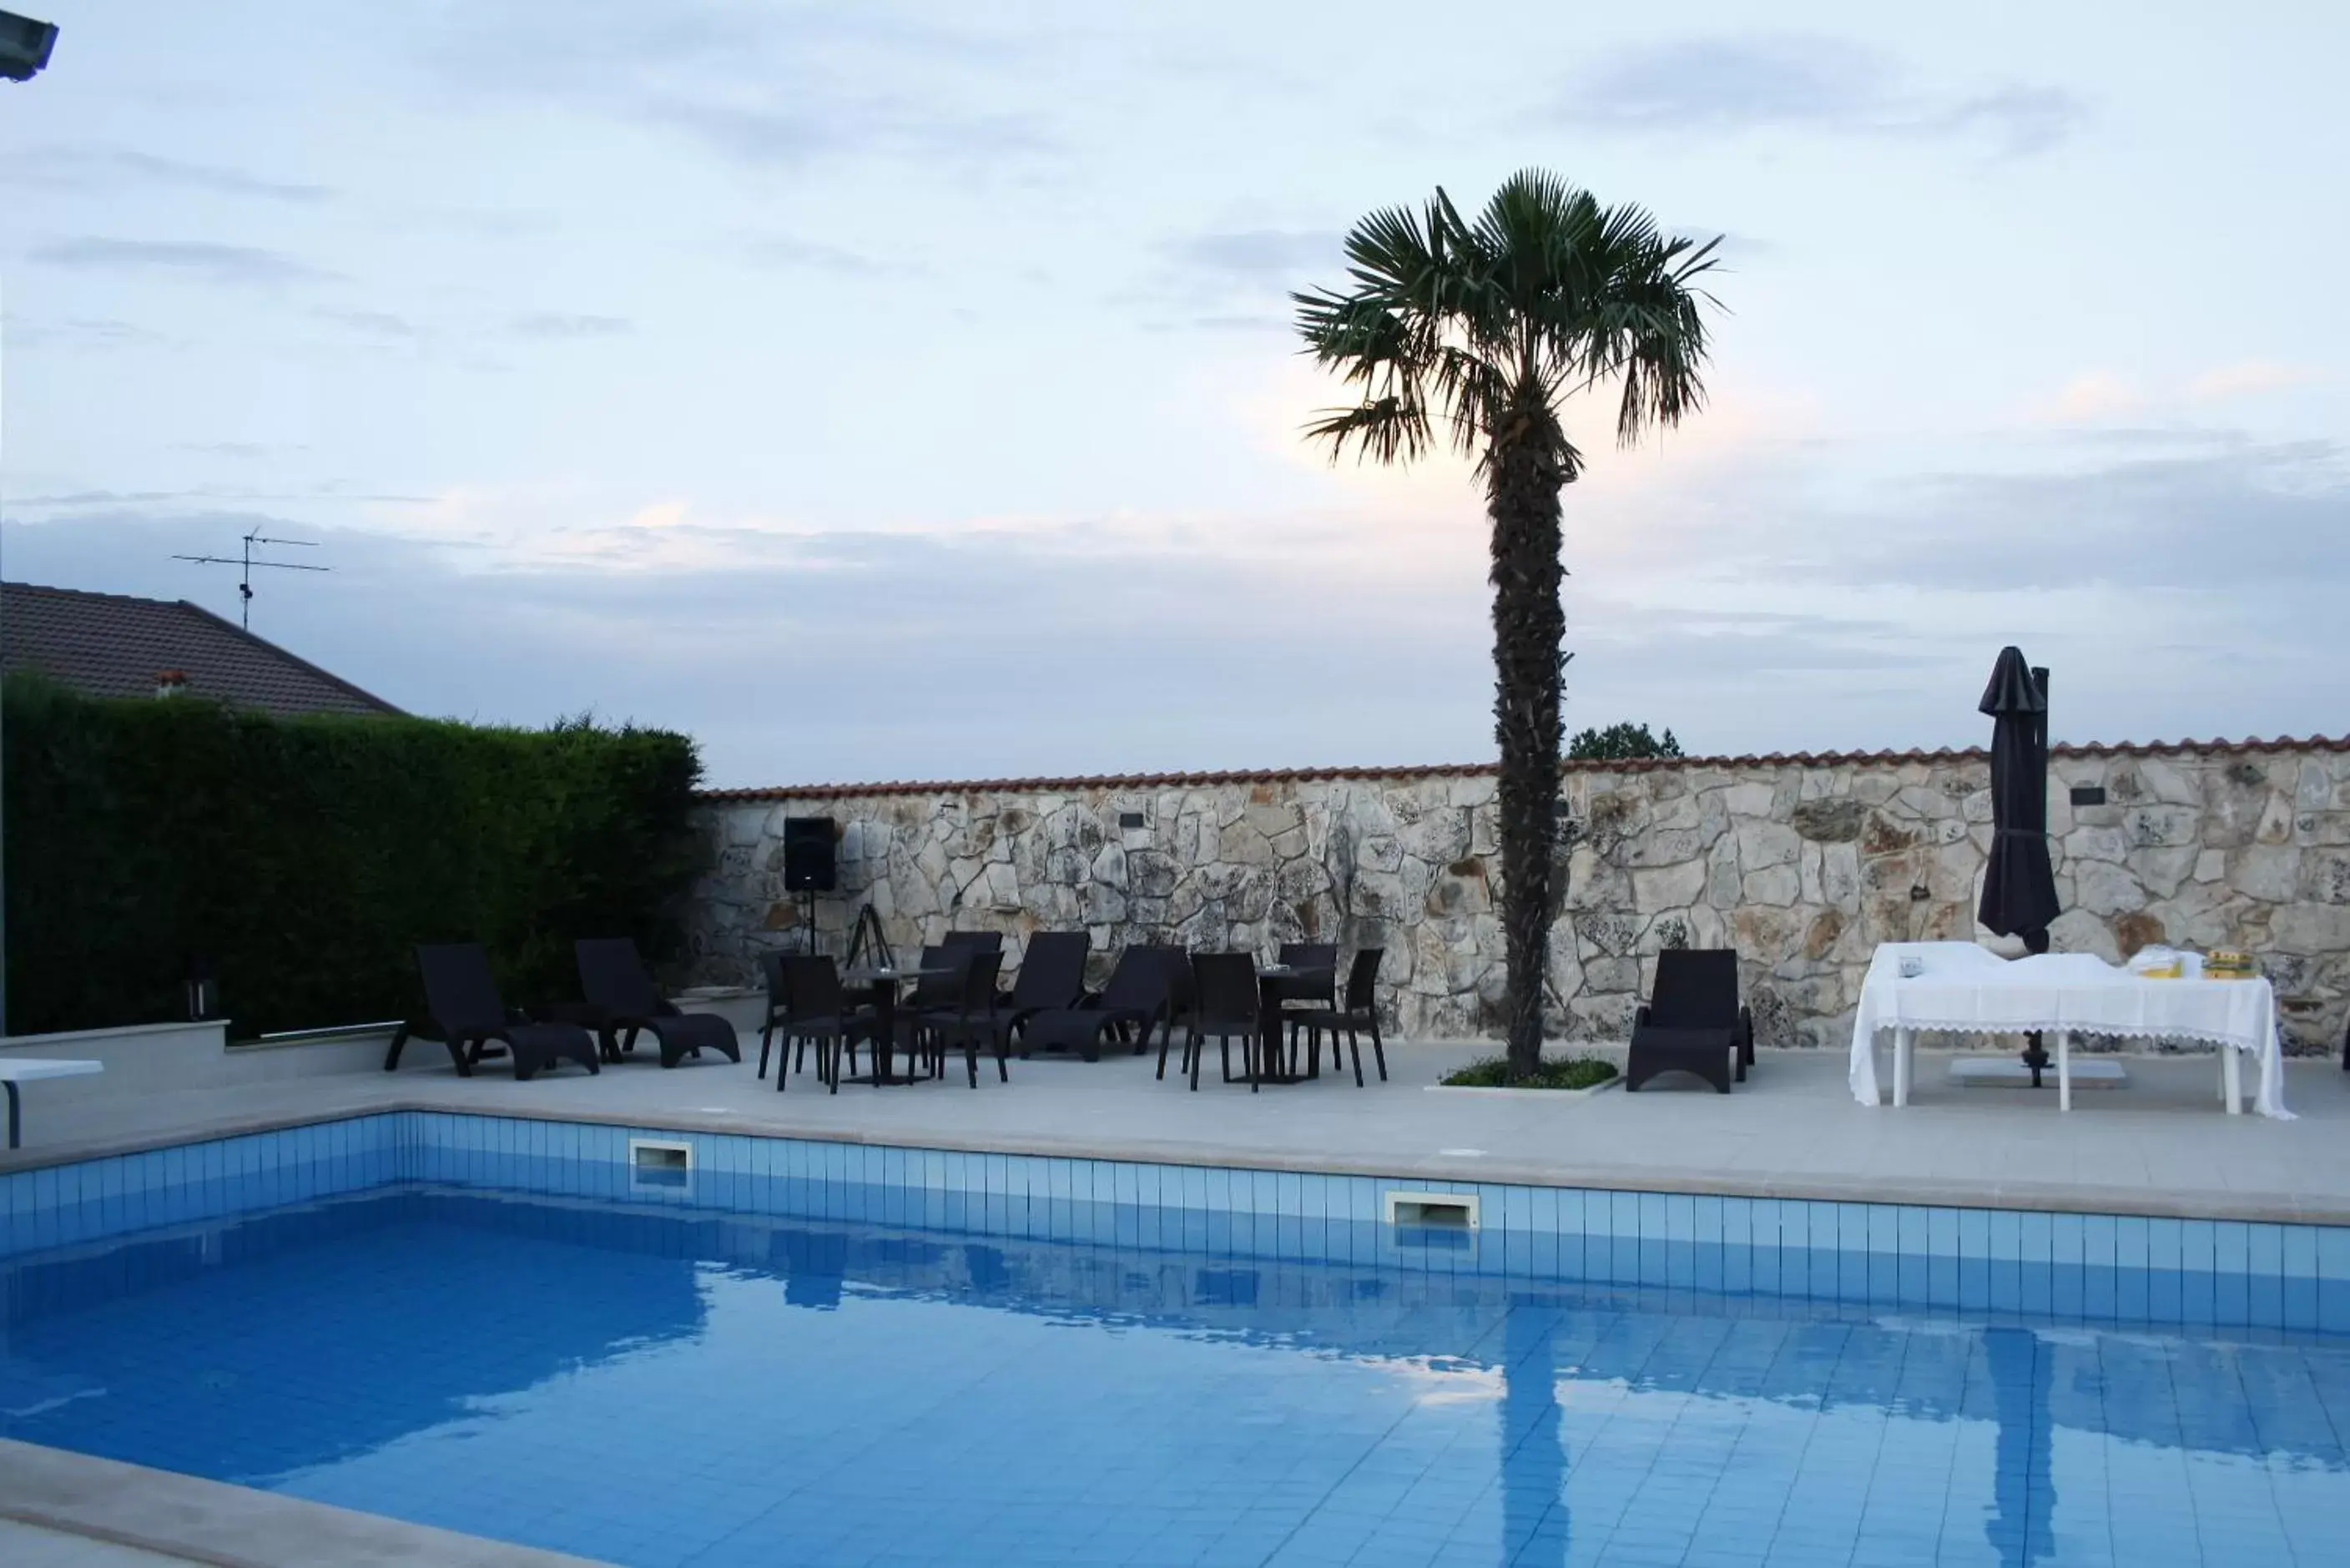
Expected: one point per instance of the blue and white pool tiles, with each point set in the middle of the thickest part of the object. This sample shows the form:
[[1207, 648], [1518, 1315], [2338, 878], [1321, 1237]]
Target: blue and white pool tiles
[[2100, 1268]]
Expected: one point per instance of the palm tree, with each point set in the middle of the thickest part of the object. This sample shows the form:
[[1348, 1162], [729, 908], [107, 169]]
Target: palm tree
[[1476, 334]]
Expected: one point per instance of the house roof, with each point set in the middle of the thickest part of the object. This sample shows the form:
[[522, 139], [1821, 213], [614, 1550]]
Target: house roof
[[1476, 770], [111, 644]]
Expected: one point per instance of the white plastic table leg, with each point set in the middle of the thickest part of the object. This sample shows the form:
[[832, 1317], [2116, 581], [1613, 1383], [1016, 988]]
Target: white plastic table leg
[[2063, 1070], [1904, 1041], [2231, 1079]]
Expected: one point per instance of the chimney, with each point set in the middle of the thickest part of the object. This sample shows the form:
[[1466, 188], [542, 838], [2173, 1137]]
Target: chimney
[[170, 682]]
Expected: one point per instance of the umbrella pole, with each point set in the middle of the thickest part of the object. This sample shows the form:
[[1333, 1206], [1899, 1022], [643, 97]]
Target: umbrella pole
[[2035, 1053]]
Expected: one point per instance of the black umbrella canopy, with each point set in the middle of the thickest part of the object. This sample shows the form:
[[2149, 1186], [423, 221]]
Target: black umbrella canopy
[[2019, 896]]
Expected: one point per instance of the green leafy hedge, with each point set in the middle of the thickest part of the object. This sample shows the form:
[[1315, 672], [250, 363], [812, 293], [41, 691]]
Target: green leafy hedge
[[304, 858]]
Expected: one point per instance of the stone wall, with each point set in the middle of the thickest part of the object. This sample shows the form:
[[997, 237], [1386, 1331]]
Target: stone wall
[[1803, 864]]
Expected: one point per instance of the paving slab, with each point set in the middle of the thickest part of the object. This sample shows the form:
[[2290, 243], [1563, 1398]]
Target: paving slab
[[2162, 1145]]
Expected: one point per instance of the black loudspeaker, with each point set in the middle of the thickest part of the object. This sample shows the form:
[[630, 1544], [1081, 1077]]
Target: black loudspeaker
[[807, 854]]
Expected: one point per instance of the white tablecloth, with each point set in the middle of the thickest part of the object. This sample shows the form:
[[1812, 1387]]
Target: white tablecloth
[[1967, 989]]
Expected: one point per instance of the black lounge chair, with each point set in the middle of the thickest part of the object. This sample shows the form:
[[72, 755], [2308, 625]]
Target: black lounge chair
[[1692, 1023], [968, 1021], [612, 977], [974, 941], [1052, 976], [1226, 1008], [466, 1014], [1361, 1013], [1135, 999], [815, 1009]]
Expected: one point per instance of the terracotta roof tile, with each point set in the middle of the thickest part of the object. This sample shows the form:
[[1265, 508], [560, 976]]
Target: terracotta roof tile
[[1470, 770], [111, 644]]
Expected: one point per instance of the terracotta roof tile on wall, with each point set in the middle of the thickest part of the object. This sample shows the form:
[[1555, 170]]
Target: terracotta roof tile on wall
[[111, 644], [1470, 770]]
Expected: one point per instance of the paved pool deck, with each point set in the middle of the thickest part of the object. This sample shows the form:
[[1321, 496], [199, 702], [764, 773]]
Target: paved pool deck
[[2159, 1145]]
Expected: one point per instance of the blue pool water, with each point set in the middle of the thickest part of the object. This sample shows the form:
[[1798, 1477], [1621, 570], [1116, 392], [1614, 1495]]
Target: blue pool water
[[655, 1380]]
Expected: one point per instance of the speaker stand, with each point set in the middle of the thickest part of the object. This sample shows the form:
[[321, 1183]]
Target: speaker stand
[[866, 942]]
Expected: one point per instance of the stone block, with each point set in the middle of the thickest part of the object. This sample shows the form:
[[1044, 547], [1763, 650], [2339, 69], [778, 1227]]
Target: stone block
[[2268, 872], [2096, 843], [1668, 887], [2325, 876], [2163, 870], [1775, 886], [2103, 889], [1832, 821], [2311, 928], [1762, 844], [2148, 825]]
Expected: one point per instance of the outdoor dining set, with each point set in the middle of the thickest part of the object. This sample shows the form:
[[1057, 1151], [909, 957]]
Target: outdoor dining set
[[1278, 1014]]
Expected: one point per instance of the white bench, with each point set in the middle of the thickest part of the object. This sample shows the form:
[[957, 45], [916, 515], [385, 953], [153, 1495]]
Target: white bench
[[24, 1069]]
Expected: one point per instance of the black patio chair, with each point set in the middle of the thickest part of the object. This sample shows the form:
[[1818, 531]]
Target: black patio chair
[[1052, 975], [1692, 1023], [816, 1011], [1183, 993], [1125, 1010], [1226, 1011], [1360, 1012], [779, 1004], [1314, 988], [936, 980], [969, 1023], [464, 1009], [614, 979]]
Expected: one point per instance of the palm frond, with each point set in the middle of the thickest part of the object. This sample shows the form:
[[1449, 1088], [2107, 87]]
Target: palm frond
[[1458, 323]]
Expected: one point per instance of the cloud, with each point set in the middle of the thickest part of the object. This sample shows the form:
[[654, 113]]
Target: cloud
[[85, 332], [2096, 395], [2250, 376], [77, 168], [238, 266], [790, 253], [1729, 85], [2091, 396], [1751, 596], [762, 86], [1260, 256], [376, 323], [548, 326]]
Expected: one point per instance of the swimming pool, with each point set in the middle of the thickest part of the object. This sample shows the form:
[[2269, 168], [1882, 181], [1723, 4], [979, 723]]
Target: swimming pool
[[832, 1353]]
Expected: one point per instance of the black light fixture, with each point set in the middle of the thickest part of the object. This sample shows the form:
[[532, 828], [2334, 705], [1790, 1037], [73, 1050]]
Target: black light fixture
[[204, 991], [24, 45]]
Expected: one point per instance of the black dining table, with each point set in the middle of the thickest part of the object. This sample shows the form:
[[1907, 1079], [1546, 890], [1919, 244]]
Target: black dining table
[[1277, 983], [883, 984]]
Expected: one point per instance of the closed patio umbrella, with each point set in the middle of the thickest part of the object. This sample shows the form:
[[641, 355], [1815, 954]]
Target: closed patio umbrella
[[2019, 896]]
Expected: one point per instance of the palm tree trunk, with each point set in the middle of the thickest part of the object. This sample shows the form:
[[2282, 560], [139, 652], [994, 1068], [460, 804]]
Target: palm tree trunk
[[1525, 470]]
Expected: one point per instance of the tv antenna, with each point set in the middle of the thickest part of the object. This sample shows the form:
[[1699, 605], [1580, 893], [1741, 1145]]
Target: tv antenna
[[246, 562]]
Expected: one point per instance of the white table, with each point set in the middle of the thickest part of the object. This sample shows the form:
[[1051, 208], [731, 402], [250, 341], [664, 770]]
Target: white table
[[18, 1070], [1968, 990]]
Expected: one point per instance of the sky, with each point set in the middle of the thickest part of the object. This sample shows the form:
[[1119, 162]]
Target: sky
[[898, 390]]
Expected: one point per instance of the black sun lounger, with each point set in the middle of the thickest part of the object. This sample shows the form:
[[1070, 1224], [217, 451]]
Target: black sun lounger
[[460, 997], [1692, 1023], [613, 979], [1134, 998]]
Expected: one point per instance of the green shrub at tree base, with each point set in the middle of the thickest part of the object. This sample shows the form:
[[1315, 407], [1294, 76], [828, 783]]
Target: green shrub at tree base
[[1550, 1072], [304, 858]]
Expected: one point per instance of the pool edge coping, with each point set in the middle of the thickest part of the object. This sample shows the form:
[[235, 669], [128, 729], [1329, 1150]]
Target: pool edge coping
[[2273, 1209], [226, 1525]]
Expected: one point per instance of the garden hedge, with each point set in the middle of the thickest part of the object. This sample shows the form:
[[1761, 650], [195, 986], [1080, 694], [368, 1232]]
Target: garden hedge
[[303, 858]]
